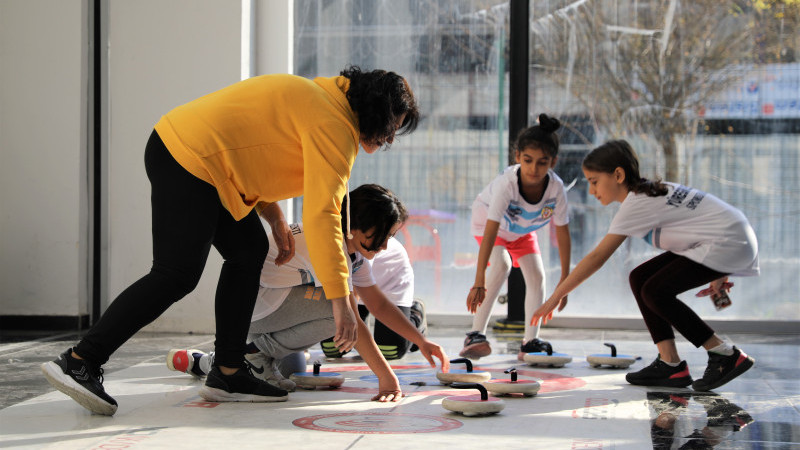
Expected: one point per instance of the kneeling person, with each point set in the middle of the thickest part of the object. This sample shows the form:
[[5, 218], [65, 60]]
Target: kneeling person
[[292, 314]]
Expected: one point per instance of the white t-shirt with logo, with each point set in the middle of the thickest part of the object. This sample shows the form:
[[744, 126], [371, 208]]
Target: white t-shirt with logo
[[393, 273], [277, 281], [693, 224], [502, 202]]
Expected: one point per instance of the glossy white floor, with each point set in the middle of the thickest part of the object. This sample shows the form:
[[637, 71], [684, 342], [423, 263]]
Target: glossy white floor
[[578, 406]]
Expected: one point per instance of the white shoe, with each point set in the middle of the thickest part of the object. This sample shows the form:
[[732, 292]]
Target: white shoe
[[265, 368]]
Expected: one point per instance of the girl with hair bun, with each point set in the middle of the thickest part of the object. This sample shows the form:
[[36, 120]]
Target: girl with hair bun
[[505, 217], [705, 240]]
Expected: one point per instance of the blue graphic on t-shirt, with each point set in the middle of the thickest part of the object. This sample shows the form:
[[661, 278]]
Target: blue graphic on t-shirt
[[357, 265], [535, 219]]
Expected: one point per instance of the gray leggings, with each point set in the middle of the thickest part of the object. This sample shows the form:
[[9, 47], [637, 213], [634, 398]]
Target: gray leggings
[[300, 322]]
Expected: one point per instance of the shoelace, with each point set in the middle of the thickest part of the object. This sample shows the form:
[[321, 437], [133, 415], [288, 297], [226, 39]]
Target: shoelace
[[95, 372]]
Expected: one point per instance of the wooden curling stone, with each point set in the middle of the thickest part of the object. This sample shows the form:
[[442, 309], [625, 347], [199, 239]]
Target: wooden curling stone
[[473, 405], [312, 380], [528, 388], [462, 376], [614, 360], [547, 358]]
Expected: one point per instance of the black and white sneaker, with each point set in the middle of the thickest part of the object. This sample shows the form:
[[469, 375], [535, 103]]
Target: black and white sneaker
[[659, 373], [535, 345], [81, 380], [242, 386], [266, 368], [722, 369], [420, 319], [475, 346]]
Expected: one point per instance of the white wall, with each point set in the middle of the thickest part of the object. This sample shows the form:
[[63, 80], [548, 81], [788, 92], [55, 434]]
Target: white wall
[[161, 54], [42, 157]]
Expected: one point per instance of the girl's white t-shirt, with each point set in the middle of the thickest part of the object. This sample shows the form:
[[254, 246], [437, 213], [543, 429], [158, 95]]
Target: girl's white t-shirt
[[277, 281], [694, 224], [393, 273], [502, 202]]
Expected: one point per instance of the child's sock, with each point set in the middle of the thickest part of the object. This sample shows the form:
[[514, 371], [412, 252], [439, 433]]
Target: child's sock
[[675, 364], [722, 349]]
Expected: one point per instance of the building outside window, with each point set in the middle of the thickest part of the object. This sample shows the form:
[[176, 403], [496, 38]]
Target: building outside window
[[708, 92]]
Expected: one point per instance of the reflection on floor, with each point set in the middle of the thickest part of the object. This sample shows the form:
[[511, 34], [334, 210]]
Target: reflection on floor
[[578, 406]]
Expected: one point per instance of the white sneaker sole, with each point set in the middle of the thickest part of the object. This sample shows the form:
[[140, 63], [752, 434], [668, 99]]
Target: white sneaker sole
[[218, 395], [80, 394]]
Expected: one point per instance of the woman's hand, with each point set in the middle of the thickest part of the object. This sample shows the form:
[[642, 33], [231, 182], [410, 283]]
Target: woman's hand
[[346, 324], [475, 297], [284, 239]]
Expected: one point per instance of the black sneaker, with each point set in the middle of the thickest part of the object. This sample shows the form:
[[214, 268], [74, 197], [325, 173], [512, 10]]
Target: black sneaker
[[81, 380], [667, 406], [475, 346], [420, 319], [722, 369], [722, 413], [659, 373], [696, 441], [535, 345], [672, 402], [242, 386]]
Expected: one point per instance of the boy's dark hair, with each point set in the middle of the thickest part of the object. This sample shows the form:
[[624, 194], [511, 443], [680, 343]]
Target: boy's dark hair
[[542, 136], [607, 157], [374, 206], [379, 98]]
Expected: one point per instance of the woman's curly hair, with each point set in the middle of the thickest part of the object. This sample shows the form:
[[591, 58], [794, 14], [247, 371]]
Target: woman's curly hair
[[379, 98]]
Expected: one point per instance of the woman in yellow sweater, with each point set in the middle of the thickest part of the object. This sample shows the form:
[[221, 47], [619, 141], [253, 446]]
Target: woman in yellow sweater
[[210, 162]]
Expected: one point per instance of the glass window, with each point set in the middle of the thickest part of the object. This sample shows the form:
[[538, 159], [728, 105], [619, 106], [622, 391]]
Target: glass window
[[708, 93]]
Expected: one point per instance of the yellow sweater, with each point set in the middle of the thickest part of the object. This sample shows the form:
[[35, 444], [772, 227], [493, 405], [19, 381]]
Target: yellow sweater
[[270, 138]]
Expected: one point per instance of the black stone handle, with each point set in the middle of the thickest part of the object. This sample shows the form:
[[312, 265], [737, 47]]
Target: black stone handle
[[463, 361], [478, 386]]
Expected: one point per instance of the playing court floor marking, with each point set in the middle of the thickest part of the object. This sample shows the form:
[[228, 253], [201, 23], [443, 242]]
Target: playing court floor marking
[[160, 408]]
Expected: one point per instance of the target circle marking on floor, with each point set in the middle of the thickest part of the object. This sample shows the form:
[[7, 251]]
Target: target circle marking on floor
[[377, 423]]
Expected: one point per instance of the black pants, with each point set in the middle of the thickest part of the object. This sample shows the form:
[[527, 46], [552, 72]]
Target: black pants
[[391, 344], [188, 218], [656, 285]]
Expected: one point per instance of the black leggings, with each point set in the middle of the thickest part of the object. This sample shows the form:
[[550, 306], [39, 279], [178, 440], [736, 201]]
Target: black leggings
[[188, 218], [656, 285], [391, 344]]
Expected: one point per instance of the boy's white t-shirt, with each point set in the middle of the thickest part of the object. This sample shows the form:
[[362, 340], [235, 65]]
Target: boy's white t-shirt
[[502, 202], [693, 224], [277, 281], [393, 273]]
